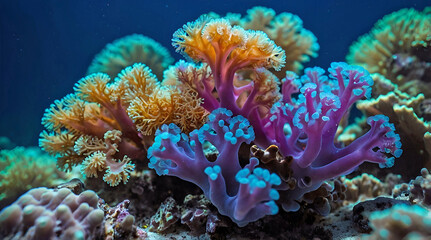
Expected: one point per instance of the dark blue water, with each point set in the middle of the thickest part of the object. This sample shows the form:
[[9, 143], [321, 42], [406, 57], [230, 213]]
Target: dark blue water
[[47, 45]]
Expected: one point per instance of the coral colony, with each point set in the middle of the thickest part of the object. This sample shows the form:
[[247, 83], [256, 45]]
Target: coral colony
[[196, 121]]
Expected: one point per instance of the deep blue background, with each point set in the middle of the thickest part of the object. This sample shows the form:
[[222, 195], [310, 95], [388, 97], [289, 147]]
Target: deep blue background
[[47, 45]]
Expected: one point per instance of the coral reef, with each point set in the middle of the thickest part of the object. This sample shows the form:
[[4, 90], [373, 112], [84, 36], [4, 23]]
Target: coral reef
[[285, 29], [398, 47], [42, 213], [120, 224], [22, 169], [418, 190], [366, 186], [128, 50], [243, 141], [405, 112], [257, 112], [105, 125]]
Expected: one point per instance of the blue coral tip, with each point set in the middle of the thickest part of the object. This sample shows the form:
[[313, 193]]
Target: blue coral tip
[[273, 208], [275, 179], [213, 172], [274, 195], [398, 153]]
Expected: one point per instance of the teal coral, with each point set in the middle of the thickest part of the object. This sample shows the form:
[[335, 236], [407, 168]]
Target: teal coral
[[24, 168], [129, 50], [401, 222], [398, 48]]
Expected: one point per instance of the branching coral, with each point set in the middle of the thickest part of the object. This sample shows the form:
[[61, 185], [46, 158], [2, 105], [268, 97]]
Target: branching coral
[[398, 47], [129, 50], [24, 168], [47, 214], [303, 127], [225, 50], [244, 194], [105, 124], [286, 30]]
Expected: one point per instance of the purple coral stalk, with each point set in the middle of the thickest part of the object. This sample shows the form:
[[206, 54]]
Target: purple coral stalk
[[244, 194]]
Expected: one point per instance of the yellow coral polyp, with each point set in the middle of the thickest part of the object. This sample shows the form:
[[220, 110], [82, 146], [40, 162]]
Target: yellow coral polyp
[[136, 81], [94, 164], [116, 174], [95, 88]]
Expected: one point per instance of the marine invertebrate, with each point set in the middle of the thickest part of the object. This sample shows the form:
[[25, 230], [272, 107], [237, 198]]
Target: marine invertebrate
[[244, 194], [128, 50], [105, 125], [43, 213], [366, 186], [225, 50], [398, 47], [286, 30], [167, 215], [303, 128], [199, 215], [119, 223], [401, 222], [418, 190], [24, 168], [405, 112], [312, 120]]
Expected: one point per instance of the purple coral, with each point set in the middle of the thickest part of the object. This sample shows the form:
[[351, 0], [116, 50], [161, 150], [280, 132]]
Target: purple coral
[[312, 120], [245, 194], [43, 213]]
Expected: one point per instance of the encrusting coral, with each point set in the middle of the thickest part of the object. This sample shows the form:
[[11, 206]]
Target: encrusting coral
[[398, 47], [409, 115], [43, 213], [24, 168], [129, 50], [105, 125], [401, 222], [285, 29]]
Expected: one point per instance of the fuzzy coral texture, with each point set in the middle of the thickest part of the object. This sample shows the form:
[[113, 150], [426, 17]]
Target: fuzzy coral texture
[[43, 213], [22, 169], [286, 30], [398, 48], [129, 50], [105, 125]]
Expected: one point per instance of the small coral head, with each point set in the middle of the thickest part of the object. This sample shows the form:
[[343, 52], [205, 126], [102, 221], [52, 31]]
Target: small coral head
[[216, 42]]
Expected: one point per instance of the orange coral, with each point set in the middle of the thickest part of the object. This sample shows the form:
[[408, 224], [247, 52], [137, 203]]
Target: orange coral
[[234, 61], [206, 39], [285, 29]]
